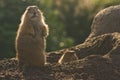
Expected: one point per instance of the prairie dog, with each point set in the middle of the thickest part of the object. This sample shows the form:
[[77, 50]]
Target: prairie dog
[[67, 57], [30, 41]]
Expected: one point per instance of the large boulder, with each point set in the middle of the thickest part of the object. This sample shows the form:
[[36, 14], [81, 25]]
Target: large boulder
[[106, 21]]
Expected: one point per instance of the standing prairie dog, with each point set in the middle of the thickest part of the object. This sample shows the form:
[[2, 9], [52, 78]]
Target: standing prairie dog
[[30, 41]]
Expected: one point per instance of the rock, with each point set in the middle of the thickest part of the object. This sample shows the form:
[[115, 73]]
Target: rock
[[106, 21], [68, 56]]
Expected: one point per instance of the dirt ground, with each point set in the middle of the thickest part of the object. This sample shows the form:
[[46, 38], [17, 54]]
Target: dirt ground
[[96, 66]]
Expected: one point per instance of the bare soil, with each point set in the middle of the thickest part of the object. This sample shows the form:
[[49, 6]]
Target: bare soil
[[95, 63]]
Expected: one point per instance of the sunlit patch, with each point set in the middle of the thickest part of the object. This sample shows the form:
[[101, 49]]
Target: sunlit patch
[[61, 44]]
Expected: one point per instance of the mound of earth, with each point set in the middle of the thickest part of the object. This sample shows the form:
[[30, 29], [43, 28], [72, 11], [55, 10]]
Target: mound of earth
[[99, 56], [99, 59]]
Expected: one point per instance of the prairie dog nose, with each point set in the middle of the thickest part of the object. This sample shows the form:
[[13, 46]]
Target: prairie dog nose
[[34, 13]]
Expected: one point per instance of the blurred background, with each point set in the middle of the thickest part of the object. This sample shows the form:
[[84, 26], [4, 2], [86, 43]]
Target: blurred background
[[69, 21]]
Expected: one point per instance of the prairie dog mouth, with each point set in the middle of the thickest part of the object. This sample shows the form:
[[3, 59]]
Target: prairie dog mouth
[[35, 15]]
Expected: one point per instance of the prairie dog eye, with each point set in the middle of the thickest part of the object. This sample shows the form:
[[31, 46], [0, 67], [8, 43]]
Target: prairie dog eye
[[30, 10]]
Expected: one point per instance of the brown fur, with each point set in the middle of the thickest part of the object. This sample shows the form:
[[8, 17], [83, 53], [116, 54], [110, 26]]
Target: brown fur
[[31, 38], [67, 57]]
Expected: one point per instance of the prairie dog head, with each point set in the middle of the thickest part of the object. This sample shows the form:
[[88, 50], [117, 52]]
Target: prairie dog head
[[33, 21], [32, 13]]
